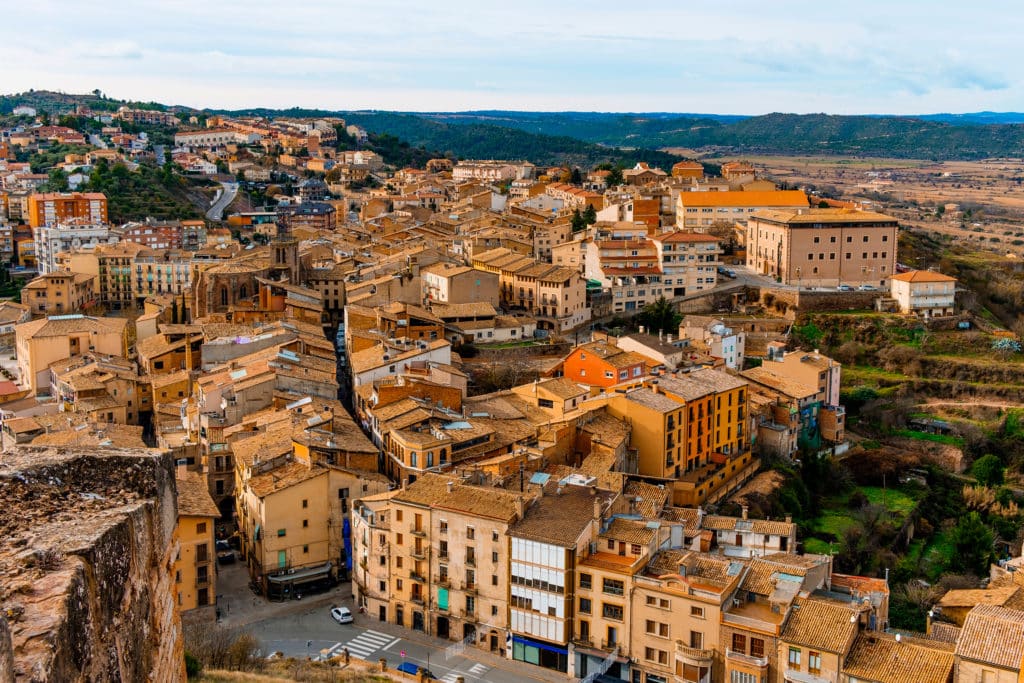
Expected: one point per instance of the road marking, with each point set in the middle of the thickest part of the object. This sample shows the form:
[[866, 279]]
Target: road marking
[[478, 669], [368, 642], [451, 677], [391, 644]]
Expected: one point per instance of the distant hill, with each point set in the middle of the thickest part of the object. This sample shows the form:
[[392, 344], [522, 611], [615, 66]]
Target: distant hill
[[938, 136], [588, 138], [491, 141]]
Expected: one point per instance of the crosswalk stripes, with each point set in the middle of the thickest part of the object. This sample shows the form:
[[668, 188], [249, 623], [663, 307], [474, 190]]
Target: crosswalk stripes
[[451, 677], [478, 669], [366, 643]]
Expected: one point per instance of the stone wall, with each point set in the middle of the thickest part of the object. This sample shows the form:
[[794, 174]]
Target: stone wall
[[86, 565]]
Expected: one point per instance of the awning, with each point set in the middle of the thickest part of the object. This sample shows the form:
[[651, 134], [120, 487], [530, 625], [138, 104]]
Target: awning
[[540, 645], [302, 575]]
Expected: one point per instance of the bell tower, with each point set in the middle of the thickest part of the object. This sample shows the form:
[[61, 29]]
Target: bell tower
[[284, 249]]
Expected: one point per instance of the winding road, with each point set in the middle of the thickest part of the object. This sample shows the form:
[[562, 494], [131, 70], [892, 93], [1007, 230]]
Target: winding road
[[223, 200]]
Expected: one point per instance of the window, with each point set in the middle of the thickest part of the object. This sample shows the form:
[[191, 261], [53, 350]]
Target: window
[[814, 662], [201, 528], [611, 544], [494, 538], [613, 587], [494, 556], [398, 562], [696, 639], [794, 658], [280, 532], [470, 533], [444, 527], [586, 581], [609, 611], [652, 601], [739, 643], [585, 606], [305, 524], [697, 612], [398, 515], [634, 549], [743, 677], [757, 647], [305, 503], [305, 549]]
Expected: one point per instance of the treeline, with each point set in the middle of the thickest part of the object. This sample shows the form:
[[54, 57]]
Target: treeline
[[892, 136]]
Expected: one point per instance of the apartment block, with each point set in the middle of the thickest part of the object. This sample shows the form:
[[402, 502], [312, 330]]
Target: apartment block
[[51, 208]]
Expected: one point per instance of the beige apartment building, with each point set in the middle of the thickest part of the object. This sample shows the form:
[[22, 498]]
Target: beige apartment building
[[41, 343], [58, 293], [195, 572], [434, 557], [823, 247]]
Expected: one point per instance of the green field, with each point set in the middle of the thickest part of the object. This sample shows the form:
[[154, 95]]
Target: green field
[[836, 516]]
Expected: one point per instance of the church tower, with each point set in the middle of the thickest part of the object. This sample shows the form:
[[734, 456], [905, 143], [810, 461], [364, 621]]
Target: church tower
[[284, 249]]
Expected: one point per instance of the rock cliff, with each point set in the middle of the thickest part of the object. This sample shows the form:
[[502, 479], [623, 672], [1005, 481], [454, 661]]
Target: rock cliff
[[86, 557]]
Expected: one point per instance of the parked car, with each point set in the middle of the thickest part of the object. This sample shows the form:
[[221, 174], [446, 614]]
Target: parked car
[[225, 554], [413, 669], [845, 288], [727, 272], [342, 615], [867, 288]]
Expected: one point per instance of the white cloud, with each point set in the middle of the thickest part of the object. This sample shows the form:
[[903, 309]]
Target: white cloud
[[736, 57]]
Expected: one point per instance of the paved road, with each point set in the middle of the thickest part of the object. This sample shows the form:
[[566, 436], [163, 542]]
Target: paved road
[[227, 195], [315, 634]]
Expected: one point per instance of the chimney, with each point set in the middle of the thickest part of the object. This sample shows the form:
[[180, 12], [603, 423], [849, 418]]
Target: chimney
[[789, 519], [745, 511], [451, 485], [668, 339], [641, 329], [405, 483], [520, 507], [597, 509], [660, 333]]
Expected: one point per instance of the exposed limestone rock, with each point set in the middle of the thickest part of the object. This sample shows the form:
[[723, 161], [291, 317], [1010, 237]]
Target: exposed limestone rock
[[86, 558]]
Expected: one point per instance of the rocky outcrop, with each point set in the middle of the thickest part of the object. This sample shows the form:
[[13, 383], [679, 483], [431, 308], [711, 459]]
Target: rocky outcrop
[[86, 565]]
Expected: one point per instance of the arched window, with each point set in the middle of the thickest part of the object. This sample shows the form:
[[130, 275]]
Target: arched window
[[243, 292], [223, 295]]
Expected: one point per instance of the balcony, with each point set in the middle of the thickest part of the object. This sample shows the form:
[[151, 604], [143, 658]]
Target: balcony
[[746, 660], [418, 532], [417, 600], [797, 676], [468, 615], [694, 655], [583, 642], [419, 553], [611, 646], [444, 582], [416, 576], [443, 555], [469, 587]]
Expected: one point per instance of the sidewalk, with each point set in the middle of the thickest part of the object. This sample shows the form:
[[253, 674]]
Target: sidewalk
[[240, 607], [484, 657]]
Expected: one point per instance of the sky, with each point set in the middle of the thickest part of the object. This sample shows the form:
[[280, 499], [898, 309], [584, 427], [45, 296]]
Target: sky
[[726, 57]]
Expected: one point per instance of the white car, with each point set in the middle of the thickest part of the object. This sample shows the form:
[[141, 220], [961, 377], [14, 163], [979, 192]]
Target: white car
[[342, 615], [867, 288]]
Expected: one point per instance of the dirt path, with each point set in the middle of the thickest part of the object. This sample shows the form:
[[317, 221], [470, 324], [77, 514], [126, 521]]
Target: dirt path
[[982, 404]]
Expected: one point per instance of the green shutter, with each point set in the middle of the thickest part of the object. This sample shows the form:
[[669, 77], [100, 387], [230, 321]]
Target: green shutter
[[442, 598]]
